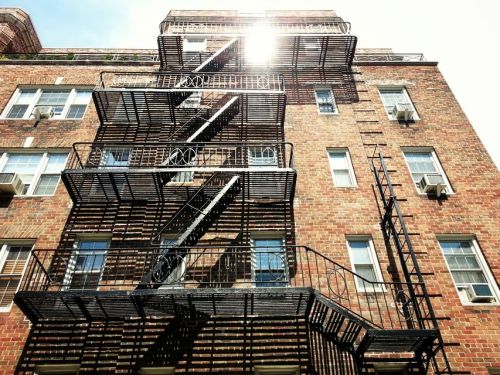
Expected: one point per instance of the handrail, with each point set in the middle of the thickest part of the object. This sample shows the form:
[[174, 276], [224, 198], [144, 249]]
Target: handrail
[[381, 304], [92, 155], [261, 81]]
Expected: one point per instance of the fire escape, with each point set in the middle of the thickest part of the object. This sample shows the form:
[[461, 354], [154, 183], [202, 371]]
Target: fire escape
[[219, 143]]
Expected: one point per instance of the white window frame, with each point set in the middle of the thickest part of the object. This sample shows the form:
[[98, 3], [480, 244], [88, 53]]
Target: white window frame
[[39, 89], [261, 148], [334, 102], [415, 116], [374, 261], [4, 248], [268, 236], [437, 165], [39, 171], [352, 175], [482, 264]]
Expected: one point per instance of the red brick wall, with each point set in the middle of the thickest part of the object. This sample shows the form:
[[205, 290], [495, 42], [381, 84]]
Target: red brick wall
[[325, 215]]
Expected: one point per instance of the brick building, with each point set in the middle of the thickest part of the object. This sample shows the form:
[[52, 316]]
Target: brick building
[[257, 196]]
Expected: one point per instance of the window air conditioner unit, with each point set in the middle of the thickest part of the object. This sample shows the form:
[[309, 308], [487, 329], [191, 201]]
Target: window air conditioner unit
[[403, 111], [433, 183], [480, 293], [43, 112], [11, 183]]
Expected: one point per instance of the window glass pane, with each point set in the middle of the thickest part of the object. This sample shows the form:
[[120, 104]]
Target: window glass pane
[[342, 178], [11, 272], [367, 272], [82, 97], [56, 163], [53, 97], [391, 97], [360, 251], [47, 185], [339, 160], [325, 101], [469, 277], [26, 96], [420, 163], [23, 164], [262, 156], [269, 262], [76, 111], [117, 158], [17, 111]]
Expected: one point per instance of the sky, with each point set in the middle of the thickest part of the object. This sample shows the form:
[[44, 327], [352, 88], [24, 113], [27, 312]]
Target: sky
[[461, 34]]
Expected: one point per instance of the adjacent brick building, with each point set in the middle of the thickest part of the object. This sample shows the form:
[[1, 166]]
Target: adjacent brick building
[[255, 196]]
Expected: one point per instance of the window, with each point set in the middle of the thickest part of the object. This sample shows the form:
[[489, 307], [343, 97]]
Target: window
[[469, 271], [116, 158], [86, 264], [269, 262], [192, 101], [67, 103], [262, 156], [194, 44], [365, 263], [277, 370], [325, 101], [341, 166], [60, 369], [174, 263], [391, 96], [40, 172], [422, 162], [13, 259]]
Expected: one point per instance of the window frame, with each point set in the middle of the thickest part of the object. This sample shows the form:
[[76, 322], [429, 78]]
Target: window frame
[[4, 245], [75, 252], [334, 102], [374, 261], [483, 264], [352, 175], [39, 172], [39, 90], [268, 236], [416, 117], [437, 165]]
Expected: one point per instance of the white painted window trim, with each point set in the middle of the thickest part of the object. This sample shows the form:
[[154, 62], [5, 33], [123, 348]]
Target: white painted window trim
[[482, 263], [36, 97], [374, 260], [202, 46], [39, 171], [4, 247], [263, 236], [416, 117], [181, 268], [437, 164], [350, 166], [334, 102]]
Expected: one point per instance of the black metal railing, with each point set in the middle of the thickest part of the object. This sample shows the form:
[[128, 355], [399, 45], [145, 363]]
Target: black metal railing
[[72, 56], [394, 227], [192, 81], [383, 304], [388, 57], [120, 156]]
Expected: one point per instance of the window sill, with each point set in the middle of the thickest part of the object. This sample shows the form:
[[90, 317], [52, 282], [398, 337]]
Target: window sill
[[329, 114]]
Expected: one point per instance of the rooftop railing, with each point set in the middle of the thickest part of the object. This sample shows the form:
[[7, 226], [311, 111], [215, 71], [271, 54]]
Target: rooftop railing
[[383, 304], [335, 26], [388, 57], [192, 81], [105, 57]]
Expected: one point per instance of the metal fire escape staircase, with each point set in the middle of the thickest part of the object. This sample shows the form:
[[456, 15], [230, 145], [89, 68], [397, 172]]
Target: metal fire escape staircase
[[229, 108], [190, 223]]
